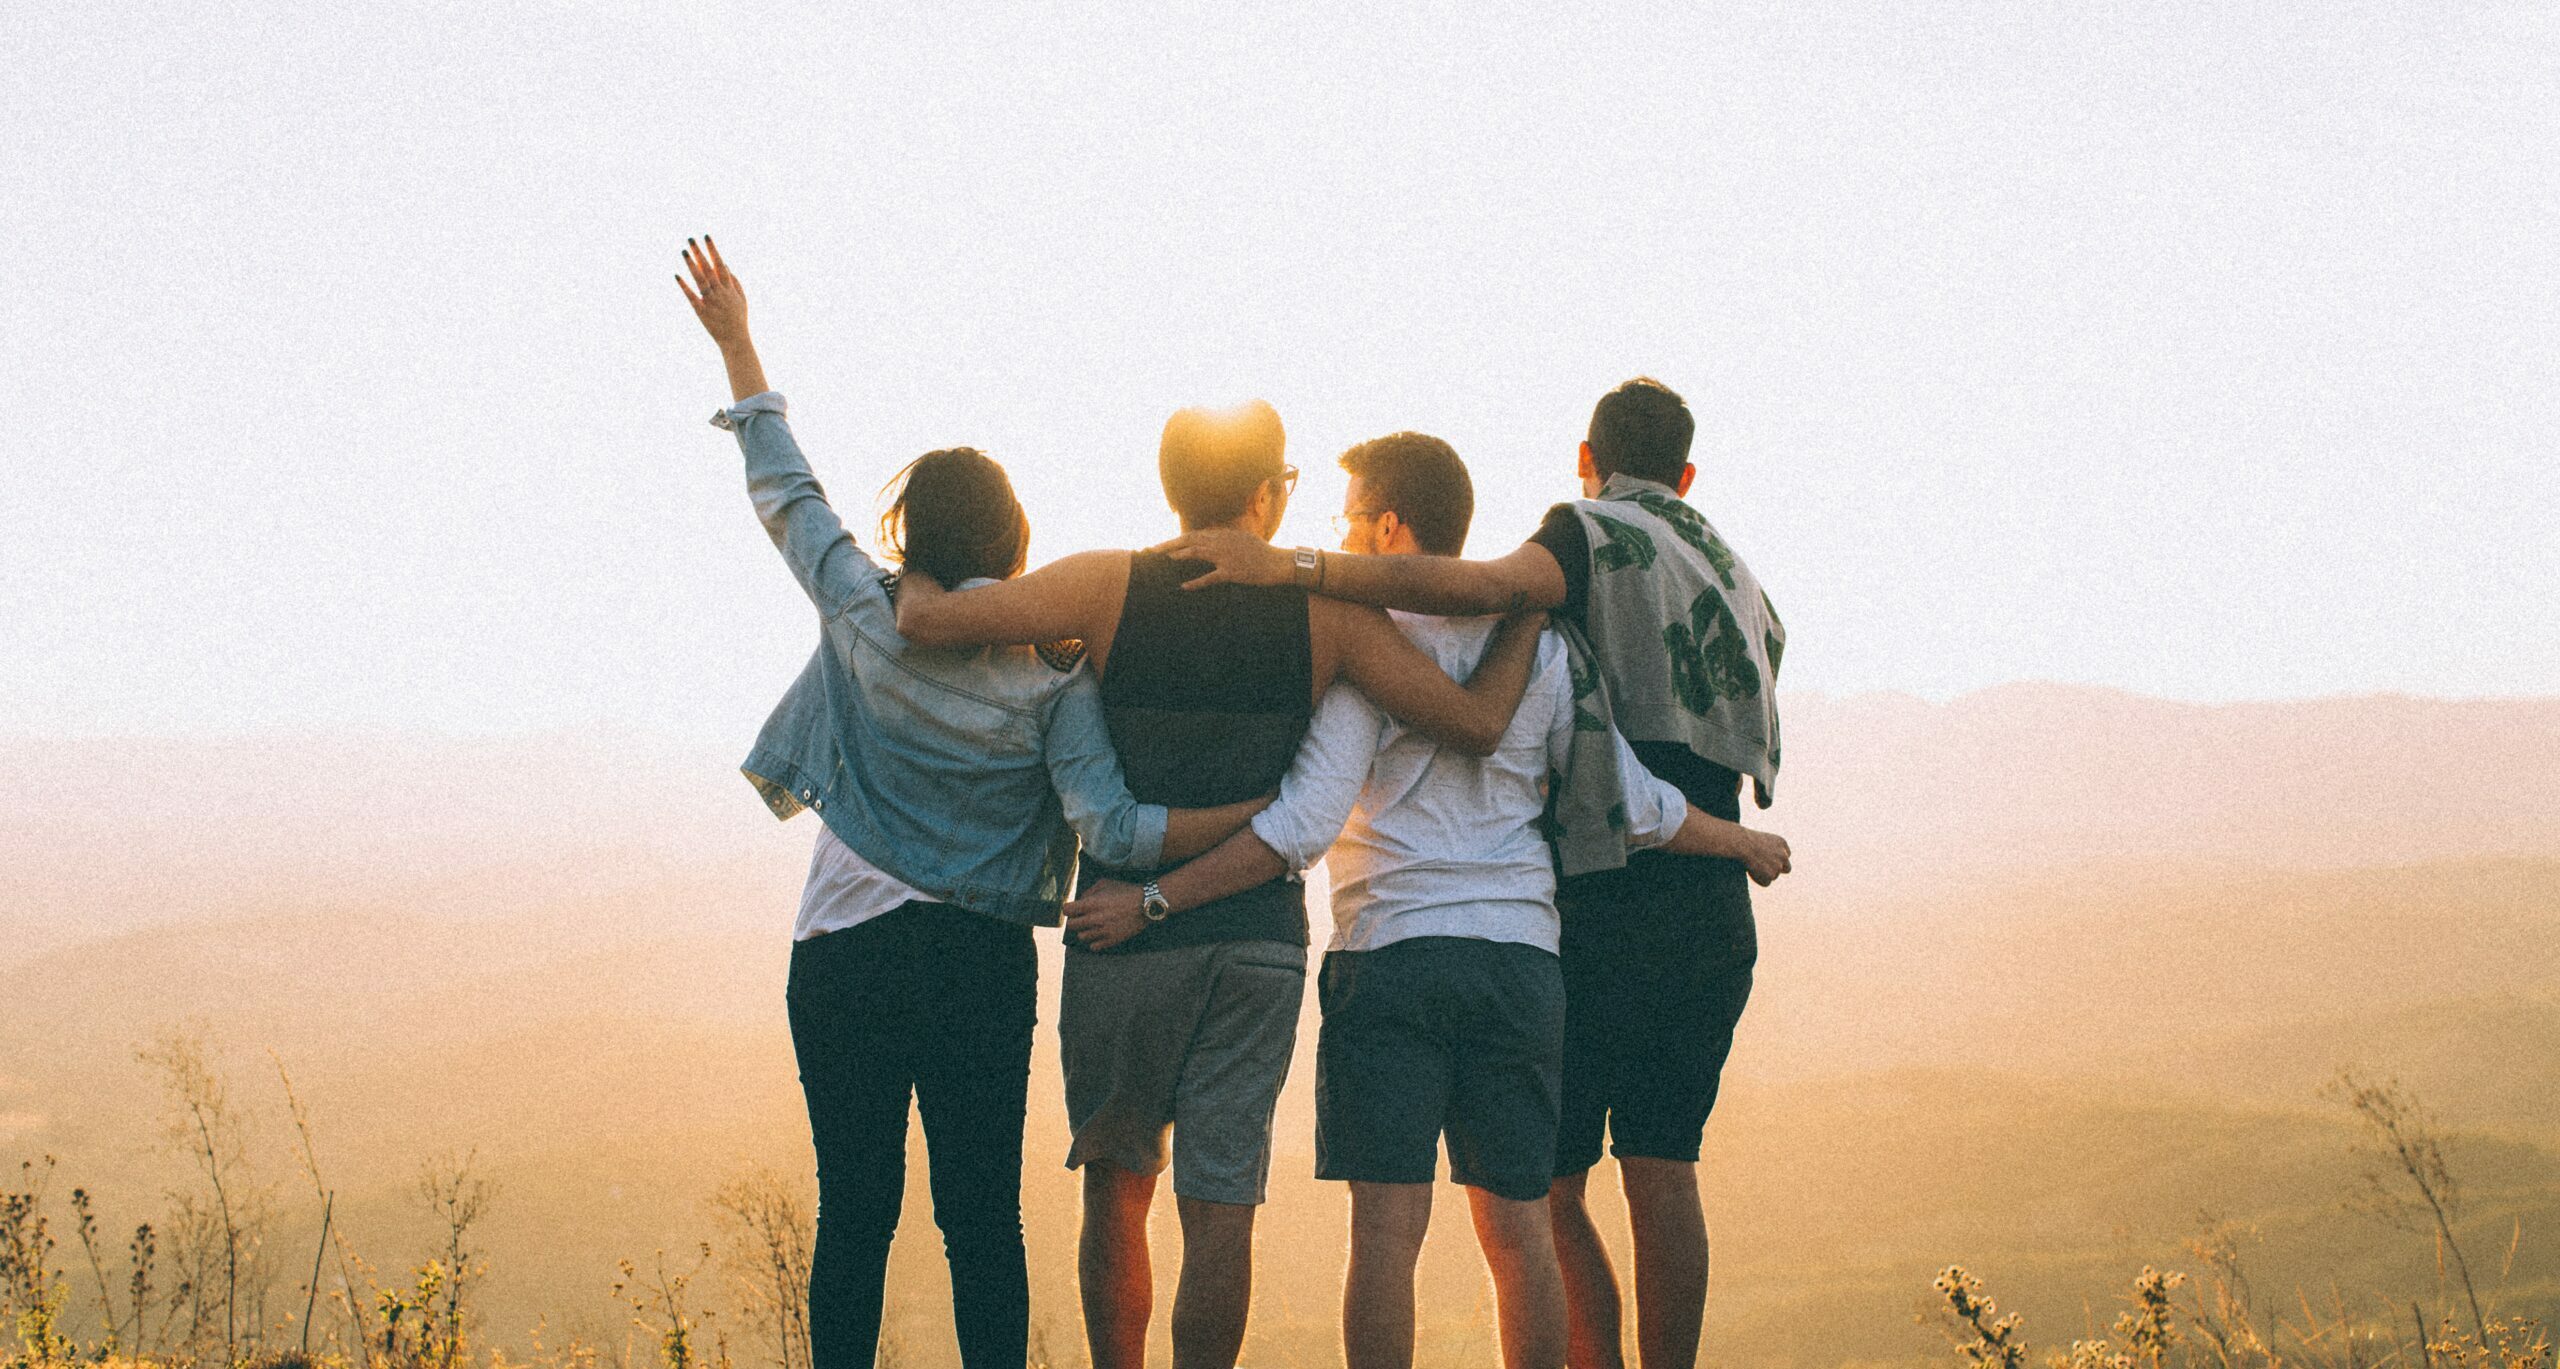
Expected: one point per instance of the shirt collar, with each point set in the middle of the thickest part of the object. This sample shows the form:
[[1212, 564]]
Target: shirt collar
[[1625, 486]]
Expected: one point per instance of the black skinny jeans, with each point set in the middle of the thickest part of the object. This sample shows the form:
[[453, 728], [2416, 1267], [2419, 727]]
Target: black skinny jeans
[[941, 1001]]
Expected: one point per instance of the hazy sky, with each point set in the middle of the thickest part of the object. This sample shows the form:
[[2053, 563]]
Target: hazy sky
[[2204, 350]]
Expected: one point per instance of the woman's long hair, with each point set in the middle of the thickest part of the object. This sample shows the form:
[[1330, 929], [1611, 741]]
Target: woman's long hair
[[952, 515]]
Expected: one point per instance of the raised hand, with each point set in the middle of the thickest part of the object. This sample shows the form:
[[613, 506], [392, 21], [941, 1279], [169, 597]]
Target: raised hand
[[1108, 914], [1235, 557], [717, 298], [721, 303]]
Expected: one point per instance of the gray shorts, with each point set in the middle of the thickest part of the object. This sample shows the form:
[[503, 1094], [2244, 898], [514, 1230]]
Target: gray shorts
[[1192, 1038]]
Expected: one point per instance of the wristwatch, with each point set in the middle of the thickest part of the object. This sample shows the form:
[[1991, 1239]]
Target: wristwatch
[[1306, 567], [1151, 902]]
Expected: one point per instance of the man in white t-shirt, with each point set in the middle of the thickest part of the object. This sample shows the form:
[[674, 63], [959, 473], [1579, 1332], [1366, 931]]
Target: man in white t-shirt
[[1442, 994]]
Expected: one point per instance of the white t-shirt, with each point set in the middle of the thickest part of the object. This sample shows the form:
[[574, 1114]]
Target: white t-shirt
[[844, 890]]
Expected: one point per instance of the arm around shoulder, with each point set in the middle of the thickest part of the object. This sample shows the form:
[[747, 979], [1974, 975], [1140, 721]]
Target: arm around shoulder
[[1066, 598], [1410, 687], [1527, 578]]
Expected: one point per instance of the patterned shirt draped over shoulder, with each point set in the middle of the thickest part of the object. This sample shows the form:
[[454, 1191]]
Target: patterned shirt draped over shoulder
[[1689, 642]]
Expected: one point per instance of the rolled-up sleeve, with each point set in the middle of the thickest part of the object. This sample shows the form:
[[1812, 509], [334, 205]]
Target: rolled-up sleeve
[[793, 506], [1092, 789], [1324, 780], [1655, 807], [730, 419]]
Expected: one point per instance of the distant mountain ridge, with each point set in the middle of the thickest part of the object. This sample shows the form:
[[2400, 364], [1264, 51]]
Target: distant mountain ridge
[[1878, 790], [2019, 777]]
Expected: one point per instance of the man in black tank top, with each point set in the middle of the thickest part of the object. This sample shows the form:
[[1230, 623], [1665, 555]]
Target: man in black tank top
[[1184, 1025], [1208, 694]]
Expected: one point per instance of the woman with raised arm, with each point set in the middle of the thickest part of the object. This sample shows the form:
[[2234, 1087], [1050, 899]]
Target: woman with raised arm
[[951, 787]]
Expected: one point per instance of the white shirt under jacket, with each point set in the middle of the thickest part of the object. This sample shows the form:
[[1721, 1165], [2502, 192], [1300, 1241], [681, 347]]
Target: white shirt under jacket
[[844, 890], [1435, 842]]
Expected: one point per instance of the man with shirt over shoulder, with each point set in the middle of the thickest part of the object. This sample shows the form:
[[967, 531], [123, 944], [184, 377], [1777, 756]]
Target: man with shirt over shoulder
[[1185, 1024], [1658, 949]]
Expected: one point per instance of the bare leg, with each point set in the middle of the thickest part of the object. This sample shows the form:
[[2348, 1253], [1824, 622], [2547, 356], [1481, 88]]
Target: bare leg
[[1112, 1266], [1216, 1291], [1387, 1225], [1671, 1260], [1520, 1249], [1592, 1310]]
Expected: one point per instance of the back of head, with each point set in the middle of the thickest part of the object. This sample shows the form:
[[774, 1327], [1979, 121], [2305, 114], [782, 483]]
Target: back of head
[[1421, 478], [1642, 429], [1212, 460], [954, 516]]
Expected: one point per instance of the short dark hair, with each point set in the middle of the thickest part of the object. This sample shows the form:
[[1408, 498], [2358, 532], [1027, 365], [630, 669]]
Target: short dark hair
[[952, 515], [1643, 429], [1421, 478], [1213, 460]]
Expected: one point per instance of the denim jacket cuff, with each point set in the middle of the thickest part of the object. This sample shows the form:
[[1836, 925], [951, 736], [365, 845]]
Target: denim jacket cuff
[[1146, 850], [769, 402]]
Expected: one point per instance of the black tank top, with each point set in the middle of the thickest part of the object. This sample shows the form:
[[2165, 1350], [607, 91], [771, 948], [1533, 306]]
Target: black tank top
[[1207, 694]]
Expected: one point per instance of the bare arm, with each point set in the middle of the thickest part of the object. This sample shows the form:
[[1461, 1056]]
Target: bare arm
[[1764, 854], [1660, 817], [1369, 652], [1190, 831], [1527, 578], [1110, 911], [1067, 598], [1240, 862]]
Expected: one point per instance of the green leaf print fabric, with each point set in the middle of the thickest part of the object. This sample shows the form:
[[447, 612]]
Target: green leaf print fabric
[[1626, 547], [1685, 642], [1709, 661]]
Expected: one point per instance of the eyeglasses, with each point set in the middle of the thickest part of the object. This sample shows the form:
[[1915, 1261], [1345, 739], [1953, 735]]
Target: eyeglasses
[[1288, 478], [1343, 522]]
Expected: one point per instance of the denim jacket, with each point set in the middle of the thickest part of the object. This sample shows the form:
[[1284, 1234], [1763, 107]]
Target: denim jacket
[[967, 773]]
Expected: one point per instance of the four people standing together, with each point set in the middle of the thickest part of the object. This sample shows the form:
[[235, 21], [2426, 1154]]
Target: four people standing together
[[1525, 776]]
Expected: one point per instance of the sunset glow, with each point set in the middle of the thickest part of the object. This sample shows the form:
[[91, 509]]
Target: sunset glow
[[2143, 416]]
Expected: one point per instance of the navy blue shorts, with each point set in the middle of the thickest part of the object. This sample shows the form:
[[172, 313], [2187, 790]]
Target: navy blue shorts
[[1440, 1035], [1657, 967]]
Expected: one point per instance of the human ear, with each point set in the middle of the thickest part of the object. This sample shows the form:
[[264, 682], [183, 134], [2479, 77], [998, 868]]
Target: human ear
[[1688, 473]]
